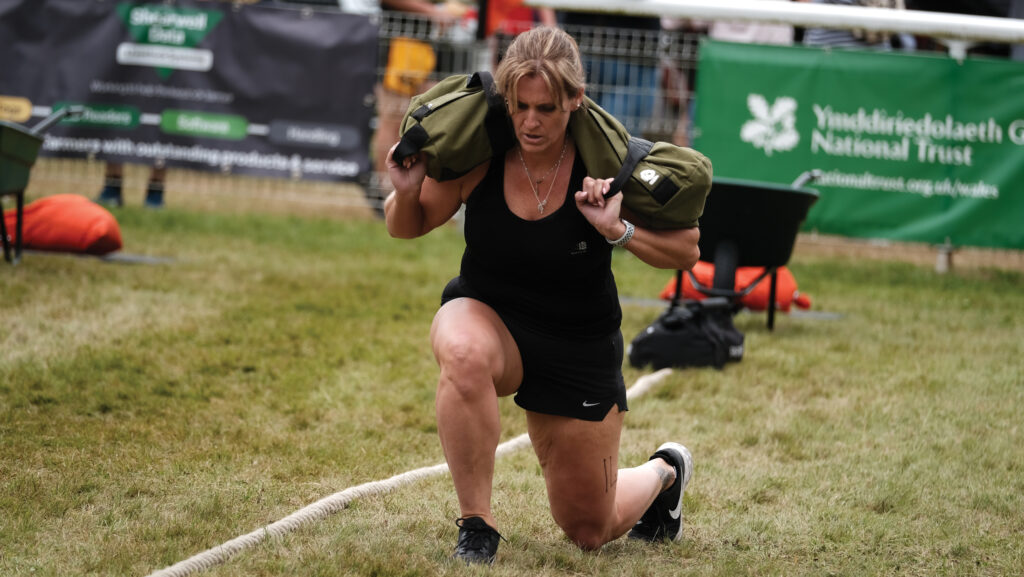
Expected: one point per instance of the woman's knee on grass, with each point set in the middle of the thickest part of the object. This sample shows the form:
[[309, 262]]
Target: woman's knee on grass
[[589, 534], [580, 464], [584, 510]]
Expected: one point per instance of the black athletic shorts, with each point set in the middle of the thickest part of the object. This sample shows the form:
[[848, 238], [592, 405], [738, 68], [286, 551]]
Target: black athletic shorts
[[578, 378]]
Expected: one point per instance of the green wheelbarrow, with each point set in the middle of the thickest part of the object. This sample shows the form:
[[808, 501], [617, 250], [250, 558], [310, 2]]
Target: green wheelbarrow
[[19, 147]]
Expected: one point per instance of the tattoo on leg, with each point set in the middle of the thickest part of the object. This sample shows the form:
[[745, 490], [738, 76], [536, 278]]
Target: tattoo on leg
[[610, 475], [667, 477]]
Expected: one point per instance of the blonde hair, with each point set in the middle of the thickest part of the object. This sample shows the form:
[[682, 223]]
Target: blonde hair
[[547, 53]]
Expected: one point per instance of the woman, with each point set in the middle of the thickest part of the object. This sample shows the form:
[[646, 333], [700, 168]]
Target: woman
[[535, 313]]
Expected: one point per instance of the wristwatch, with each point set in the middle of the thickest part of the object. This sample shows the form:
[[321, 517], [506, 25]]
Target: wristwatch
[[626, 236]]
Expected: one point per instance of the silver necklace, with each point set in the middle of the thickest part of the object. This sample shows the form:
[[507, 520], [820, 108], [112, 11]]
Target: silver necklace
[[543, 203]]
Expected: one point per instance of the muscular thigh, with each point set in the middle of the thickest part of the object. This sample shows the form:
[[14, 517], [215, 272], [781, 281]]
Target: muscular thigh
[[470, 327], [580, 460]]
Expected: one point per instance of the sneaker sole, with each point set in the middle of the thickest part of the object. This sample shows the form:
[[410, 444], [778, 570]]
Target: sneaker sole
[[684, 462]]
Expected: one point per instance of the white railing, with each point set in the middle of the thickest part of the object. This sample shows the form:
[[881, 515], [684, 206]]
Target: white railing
[[957, 31]]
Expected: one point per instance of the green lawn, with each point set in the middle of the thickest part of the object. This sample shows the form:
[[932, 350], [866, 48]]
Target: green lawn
[[149, 412]]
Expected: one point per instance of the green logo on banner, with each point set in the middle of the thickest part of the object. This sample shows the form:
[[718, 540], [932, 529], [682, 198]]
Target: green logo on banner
[[104, 116], [166, 37], [204, 125]]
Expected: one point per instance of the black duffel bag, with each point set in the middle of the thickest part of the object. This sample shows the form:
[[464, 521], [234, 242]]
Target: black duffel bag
[[690, 334]]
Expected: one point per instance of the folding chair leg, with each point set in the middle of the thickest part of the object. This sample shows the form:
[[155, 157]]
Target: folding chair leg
[[771, 300]]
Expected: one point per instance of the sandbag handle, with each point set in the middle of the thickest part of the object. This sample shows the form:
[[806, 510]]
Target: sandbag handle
[[411, 143], [636, 150]]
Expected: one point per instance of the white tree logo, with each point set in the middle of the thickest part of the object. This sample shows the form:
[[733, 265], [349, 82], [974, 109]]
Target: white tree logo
[[649, 176], [773, 127]]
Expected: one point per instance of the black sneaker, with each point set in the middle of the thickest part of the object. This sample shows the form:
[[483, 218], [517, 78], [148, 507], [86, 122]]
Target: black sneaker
[[478, 541], [110, 196], [664, 518], [154, 196]]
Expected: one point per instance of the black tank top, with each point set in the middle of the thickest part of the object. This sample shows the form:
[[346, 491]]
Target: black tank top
[[553, 275]]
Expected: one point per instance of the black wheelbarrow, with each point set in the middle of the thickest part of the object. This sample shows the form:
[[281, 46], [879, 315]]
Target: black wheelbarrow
[[748, 223], [19, 147]]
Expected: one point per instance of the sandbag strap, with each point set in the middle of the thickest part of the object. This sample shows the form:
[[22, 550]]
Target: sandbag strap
[[636, 150], [496, 119]]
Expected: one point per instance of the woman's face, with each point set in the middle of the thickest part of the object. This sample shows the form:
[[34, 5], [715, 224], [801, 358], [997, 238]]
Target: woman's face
[[539, 121]]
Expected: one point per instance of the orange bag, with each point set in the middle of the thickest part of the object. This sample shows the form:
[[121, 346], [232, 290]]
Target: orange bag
[[66, 223], [786, 293]]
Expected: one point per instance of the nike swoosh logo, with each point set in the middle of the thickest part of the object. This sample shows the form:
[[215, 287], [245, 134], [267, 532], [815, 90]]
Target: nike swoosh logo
[[674, 513], [586, 404]]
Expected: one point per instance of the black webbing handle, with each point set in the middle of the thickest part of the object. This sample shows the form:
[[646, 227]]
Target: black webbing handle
[[637, 149], [499, 132], [411, 143]]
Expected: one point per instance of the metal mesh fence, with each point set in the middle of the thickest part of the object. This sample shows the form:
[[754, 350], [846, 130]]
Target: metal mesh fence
[[640, 76], [641, 73]]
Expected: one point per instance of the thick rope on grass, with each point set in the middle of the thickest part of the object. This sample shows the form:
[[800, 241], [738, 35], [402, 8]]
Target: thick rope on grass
[[338, 501]]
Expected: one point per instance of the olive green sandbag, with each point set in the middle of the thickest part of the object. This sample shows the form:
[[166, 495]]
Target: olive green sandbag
[[665, 189], [458, 124], [462, 122]]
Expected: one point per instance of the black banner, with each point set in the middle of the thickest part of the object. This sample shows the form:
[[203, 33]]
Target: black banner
[[255, 89]]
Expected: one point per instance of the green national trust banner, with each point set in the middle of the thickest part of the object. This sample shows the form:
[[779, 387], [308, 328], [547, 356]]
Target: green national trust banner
[[264, 88], [911, 147]]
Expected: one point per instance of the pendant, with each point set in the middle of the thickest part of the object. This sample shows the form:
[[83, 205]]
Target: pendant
[[540, 206]]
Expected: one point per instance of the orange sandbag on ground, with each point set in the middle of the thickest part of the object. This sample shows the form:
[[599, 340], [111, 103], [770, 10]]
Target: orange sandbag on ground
[[66, 223], [786, 293]]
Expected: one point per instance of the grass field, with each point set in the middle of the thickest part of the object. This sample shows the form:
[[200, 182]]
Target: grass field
[[149, 412]]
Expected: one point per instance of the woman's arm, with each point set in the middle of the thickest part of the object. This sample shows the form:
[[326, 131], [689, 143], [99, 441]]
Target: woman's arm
[[670, 249], [419, 204]]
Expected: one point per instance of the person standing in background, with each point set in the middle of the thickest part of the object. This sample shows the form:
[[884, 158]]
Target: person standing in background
[[846, 38], [113, 184]]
